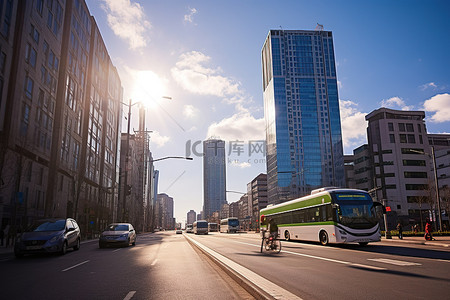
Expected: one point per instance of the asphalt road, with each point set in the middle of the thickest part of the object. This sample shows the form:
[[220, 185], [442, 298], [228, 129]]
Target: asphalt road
[[161, 266], [383, 270]]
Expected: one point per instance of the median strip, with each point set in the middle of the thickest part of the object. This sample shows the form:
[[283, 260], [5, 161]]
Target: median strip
[[77, 265], [252, 282]]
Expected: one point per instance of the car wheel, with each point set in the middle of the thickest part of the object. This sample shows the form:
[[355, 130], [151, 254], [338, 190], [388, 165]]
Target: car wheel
[[134, 243], [100, 245], [64, 248], [323, 236], [77, 245], [287, 236]]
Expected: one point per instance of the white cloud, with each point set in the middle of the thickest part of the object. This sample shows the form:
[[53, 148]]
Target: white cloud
[[128, 21], [353, 124], [395, 103], [190, 112], [193, 74], [158, 139], [190, 16], [431, 85], [242, 165], [241, 126], [439, 105]]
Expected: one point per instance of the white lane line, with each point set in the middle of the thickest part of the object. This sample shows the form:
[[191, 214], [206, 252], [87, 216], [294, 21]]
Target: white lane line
[[117, 250], [444, 260], [394, 262], [325, 259], [129, 295], [77, 265], [154, 262]]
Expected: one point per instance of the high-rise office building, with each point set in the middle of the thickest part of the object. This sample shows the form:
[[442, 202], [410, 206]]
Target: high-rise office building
[[191, 217], [301, 108], [214, 176], [60, 115]]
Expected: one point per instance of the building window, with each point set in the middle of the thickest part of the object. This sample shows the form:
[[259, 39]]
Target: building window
[[401, 127], [416, 187], [415, 174], [392, 138], [29, 87], [403, 138], [25, 119], [409, 127], [391, 126], [419, 128], [7, 19], [34, 34], [417, 163], [420, 139], [40, 6], [411, 139]]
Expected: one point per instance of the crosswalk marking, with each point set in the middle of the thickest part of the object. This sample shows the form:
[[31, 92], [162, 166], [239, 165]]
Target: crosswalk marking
[[394, 262]]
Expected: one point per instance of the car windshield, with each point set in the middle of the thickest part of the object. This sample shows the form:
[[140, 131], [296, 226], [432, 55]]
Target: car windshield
[[116, 227], [48, 225], [356, 210], [202, 225]]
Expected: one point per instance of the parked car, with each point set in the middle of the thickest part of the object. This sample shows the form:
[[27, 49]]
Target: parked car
[[118, 234], [49, 236], [179, 231]]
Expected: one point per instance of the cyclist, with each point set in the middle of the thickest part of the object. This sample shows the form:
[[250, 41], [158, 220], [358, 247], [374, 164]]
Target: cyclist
[[273, 228]]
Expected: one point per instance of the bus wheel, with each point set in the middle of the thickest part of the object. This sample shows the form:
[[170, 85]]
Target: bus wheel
[[363, 243], [287, 236], [323, 236]]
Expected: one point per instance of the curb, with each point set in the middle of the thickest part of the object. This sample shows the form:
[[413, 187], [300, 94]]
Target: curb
[[416, 242], [264, 289]]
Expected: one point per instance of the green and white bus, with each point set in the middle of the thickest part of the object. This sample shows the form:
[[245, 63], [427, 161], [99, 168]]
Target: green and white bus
[[328, 215]]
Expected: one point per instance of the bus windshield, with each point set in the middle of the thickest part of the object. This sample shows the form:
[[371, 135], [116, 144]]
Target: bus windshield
[[233, 222], [355, 210]]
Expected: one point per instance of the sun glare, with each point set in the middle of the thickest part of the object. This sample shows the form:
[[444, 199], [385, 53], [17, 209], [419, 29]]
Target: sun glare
[[148, 88]]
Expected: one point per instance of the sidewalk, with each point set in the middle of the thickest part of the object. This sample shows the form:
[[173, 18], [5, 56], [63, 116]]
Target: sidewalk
[[443, 241]]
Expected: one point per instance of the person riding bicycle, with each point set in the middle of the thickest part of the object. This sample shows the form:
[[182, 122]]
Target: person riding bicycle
[[273, 228]]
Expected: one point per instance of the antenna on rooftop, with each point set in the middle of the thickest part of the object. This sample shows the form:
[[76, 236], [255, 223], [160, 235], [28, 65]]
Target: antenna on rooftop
[[319, 27]]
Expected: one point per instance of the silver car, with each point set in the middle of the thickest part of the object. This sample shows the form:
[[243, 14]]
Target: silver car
[[122, 234]]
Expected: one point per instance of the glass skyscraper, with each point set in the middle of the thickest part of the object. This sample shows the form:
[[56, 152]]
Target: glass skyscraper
[[214, 176], [301, 108]]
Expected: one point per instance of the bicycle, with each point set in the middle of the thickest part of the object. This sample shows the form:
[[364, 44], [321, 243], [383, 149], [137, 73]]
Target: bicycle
[[270, 243]]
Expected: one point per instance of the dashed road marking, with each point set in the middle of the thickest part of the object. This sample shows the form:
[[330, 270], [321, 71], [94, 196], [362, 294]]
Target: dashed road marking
[[77, 265], [129, 295], [394, 262], [154, 262], [117, 250]]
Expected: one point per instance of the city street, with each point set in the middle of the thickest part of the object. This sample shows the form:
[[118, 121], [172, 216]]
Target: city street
[[164, 265], [161, 266]]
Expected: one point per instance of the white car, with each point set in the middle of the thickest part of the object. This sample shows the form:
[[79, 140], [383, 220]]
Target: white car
[[118, 234]]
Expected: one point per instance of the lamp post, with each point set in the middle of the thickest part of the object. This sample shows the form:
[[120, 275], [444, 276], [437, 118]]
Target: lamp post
[[436, 185], [175, 157]]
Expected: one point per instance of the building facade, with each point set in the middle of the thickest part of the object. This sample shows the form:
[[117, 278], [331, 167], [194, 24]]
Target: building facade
[[60, 125], [257, 196], [191, 217], [165, 205], [301, 109], [401, 179], [214, 176]]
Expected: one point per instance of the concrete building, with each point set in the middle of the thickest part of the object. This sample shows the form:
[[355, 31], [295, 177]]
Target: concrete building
[[257, 197], [362, 165], [60, 124], [191, 217], [301, 109], [349, 168], [165, 204], [214, 176], [397, 141]]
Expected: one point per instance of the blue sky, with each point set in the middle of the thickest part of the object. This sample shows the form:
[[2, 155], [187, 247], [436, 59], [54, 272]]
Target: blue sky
[[206, 55]]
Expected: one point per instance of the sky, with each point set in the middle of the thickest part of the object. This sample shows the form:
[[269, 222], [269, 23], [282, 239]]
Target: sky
[[206, 56]]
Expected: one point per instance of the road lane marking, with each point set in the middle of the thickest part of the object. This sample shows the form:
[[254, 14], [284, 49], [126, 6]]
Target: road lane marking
[[154, 262], [117, 250], [129, 295], [325, 259], [444, 260], [394, 262], [77, 265]]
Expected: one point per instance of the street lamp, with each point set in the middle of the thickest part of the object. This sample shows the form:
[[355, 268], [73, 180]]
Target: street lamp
[[168, 157], [438, 198]]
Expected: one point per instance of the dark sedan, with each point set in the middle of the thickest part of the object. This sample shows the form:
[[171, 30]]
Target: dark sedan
[[118, 234], [49, 236]]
